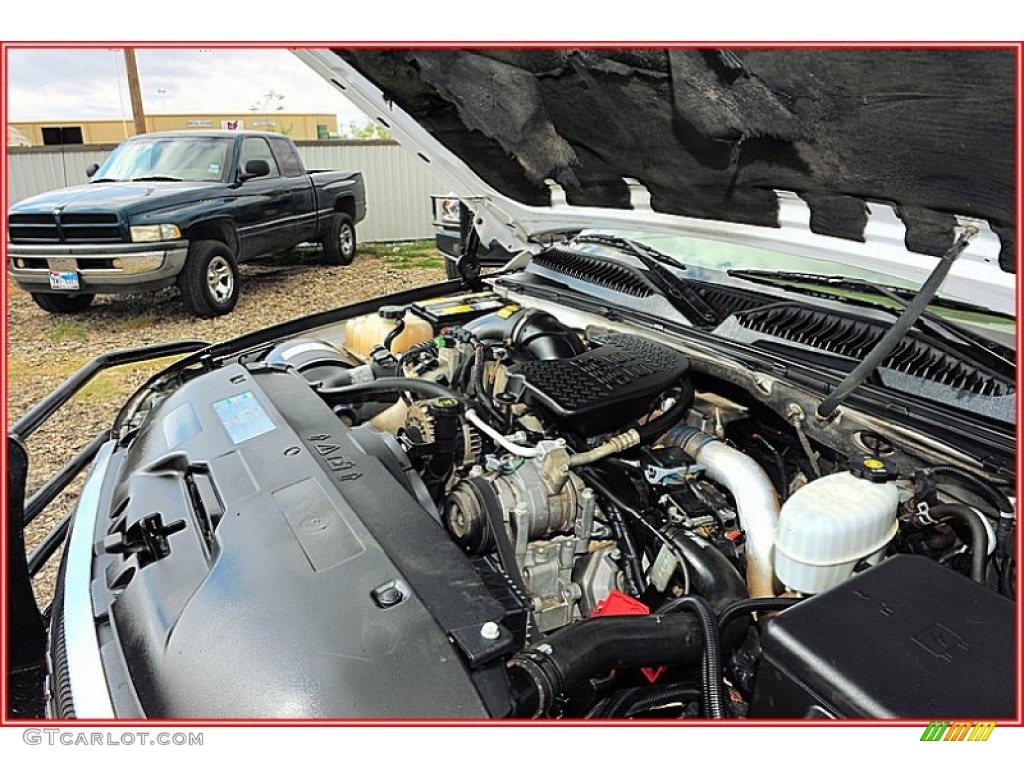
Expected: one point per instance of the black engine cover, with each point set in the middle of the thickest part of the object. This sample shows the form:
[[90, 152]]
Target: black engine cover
[[605, 388], [292, 571]]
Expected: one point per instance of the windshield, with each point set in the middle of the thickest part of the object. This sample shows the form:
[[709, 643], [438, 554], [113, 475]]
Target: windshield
[[713, 254], [729, 257], [179, 158]]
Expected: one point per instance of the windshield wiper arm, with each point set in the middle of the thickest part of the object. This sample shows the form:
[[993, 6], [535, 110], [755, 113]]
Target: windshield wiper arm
[[156, 178], [898, 329], [620, 242], [678, 292]]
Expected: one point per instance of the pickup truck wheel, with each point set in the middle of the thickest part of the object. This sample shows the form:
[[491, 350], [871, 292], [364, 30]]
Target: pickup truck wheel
[[61, 304], [340, 242], [209, 282]]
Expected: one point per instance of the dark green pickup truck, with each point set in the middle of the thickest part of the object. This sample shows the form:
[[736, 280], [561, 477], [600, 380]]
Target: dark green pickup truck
[[179, 208]]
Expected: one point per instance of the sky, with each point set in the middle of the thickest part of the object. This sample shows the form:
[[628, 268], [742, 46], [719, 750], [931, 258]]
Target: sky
[[81, 84]]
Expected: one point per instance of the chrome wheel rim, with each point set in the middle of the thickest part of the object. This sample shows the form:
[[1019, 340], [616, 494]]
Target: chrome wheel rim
[[220, 279], [346, 240]]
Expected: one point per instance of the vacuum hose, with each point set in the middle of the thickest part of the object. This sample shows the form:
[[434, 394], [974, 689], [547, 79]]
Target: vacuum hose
[[370, 390]]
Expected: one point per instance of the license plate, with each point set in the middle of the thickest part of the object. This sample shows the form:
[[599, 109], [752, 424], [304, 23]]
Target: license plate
[[64, 281]]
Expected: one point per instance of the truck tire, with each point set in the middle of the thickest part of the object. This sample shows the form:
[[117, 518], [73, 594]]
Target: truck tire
[[340, 242], [209, 283], [61, 304]]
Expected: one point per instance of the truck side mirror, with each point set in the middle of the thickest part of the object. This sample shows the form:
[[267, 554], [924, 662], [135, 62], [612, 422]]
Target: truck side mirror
[[91, 168], [255, 168]]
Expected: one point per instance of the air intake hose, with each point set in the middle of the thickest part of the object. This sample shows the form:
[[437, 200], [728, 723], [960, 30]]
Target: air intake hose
[[570, 657], [544, 673], [537, 333]]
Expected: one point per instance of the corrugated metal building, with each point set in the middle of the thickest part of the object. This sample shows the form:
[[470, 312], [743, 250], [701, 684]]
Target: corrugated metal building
[[398, 184], [298, 126]]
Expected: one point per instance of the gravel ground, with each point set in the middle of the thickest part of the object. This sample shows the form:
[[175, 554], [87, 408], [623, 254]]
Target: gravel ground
[[43, 349]]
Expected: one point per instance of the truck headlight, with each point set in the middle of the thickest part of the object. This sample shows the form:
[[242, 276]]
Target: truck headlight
[[451, 210], [153, 233]]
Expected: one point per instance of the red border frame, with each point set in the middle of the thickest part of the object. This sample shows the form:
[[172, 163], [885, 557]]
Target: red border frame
[[1016, 46]]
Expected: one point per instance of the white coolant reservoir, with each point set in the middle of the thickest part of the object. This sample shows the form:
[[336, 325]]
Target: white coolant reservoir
[[362, 334], [832, 523]]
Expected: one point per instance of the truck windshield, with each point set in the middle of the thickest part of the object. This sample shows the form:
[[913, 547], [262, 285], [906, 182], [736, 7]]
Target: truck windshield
[[179, 158]]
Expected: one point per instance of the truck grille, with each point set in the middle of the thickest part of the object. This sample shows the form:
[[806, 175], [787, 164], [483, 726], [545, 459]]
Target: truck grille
[[65, 228]]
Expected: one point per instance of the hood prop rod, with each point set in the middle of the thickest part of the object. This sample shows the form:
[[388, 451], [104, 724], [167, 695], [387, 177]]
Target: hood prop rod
[[898, 329]]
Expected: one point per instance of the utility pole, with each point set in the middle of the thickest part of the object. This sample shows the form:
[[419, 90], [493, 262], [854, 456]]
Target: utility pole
[[135, 91]]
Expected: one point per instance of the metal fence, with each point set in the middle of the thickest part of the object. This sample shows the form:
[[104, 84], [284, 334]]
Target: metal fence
[[398, 184]]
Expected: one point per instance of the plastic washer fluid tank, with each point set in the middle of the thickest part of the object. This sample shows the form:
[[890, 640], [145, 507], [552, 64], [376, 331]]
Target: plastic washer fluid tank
[[828, 526]]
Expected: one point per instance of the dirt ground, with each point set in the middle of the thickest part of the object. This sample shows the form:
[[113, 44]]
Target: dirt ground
[[43, 349]]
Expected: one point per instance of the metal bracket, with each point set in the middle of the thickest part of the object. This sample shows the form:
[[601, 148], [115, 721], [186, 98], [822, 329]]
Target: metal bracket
[[672, 475]]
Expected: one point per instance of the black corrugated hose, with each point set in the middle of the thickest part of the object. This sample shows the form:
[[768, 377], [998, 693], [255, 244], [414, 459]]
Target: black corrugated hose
[[984, 488], [713, 693], [744, 607]]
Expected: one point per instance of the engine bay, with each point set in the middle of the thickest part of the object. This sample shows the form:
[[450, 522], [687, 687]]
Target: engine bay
[[473, 506]]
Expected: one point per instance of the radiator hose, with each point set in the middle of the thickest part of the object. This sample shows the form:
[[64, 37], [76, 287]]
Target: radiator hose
[[979, 536]]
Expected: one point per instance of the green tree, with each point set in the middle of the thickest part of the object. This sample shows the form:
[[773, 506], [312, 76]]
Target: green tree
[[367, 131], [263, 104]]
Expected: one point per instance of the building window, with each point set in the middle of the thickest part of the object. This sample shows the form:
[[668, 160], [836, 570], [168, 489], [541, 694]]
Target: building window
[[66, 135]]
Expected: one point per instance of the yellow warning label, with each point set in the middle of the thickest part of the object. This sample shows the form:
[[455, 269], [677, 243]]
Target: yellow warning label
[[508, 311], [458, 309], [874, 464], [463, 297]]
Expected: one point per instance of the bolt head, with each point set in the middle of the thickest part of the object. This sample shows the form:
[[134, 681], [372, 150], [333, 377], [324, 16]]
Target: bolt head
[[490, 630]]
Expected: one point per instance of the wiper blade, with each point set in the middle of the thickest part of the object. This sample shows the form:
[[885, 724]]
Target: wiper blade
[[898, 329], [626, 243], [156, 178], [678, 291], [896, 295], [102, 181], [781, 279]]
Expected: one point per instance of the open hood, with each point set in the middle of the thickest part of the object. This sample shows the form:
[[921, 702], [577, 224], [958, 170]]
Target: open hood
[[873, 158]]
